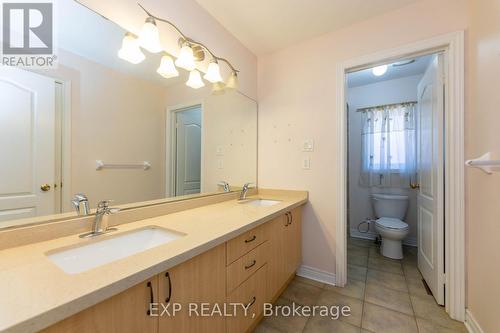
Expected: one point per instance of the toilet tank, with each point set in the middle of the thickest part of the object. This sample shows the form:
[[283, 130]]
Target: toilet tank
[[390, 205]]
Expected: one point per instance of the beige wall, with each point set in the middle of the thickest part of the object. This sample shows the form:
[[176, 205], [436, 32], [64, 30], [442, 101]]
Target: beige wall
[[297, 100], [483, 191]]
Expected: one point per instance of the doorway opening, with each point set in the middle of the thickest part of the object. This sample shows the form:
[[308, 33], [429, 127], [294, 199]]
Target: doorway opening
[[437, 106], [396, 167], [186, 154]]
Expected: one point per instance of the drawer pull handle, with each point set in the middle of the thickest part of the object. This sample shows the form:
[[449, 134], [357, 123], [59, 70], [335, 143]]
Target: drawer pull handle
[[251, 302], [287, 219], [251, 239], [251, 265], [167, 276], [151, 297]]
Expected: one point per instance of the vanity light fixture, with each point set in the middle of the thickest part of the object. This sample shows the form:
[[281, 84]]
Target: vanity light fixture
[[130, 50], [218, 88], [190, 53], [213, 72], [232, 81], [195, 80], [167, 68], [149, 37], [186, 58], [379, 70]]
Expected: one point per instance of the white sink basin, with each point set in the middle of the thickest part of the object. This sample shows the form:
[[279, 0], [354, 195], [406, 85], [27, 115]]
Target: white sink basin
[[262, 202], [100, 252]]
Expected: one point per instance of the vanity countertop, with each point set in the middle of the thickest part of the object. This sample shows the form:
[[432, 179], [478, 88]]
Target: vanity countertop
[[35, 293]]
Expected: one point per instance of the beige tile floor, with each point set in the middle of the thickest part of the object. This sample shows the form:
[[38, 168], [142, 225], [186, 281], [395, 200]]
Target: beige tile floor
[[384, 296]]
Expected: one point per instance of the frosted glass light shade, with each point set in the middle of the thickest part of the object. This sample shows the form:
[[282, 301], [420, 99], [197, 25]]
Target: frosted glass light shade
[[195, 80], [218, 88], [167, 68], [130, 50], [232, 81], [149, 37], [379, 70], [186, 58], [213, 73]]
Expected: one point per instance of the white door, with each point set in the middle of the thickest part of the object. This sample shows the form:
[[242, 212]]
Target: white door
[[188, 151], [431, 177], [26, 144]]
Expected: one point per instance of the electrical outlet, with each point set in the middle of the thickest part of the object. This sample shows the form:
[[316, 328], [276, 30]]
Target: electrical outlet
[[308, 145]]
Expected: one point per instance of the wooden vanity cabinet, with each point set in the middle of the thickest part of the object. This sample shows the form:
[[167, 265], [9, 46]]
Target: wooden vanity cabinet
[[201, 279], [252, 268], [285, 233], [126, 312]]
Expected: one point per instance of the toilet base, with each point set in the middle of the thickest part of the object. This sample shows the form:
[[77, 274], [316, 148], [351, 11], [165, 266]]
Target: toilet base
[[391, 248]]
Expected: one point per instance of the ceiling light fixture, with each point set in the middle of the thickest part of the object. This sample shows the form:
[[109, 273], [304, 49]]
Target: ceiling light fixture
[[218, 88], [190, 52], [379, 70], [130, 50], [149, 37], [195, 80], [167, 68]]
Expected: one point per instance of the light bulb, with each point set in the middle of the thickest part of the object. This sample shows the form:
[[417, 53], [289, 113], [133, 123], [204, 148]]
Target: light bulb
[[379, 70], [195, 80], [149, 37], [130, 50], [218, 88], [232, 81], [167, 68], [213, 73], [186, 58]]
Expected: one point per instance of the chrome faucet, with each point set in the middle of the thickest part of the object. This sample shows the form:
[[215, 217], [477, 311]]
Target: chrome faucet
[[244, 190], [81, 204], [100, 224], [225, 186]]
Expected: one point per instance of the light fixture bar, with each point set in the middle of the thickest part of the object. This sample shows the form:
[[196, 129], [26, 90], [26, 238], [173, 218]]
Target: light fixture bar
[[187, 39]]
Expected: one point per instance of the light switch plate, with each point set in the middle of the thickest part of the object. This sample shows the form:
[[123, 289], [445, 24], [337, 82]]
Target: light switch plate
[[308, 145], [220, 164], [219, 150], [306, 163]]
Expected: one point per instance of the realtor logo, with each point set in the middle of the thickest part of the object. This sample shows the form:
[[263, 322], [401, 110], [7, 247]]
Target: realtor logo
[[28, 34]]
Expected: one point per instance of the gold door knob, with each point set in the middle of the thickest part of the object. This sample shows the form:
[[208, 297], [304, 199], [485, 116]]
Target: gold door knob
[[414, 185], [45, 187]]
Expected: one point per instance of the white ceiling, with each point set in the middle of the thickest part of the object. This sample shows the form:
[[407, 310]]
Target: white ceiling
[[265, 26], [365, 76]]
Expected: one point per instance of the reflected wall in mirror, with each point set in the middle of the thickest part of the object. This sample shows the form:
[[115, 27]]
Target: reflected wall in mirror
[[104, 127]]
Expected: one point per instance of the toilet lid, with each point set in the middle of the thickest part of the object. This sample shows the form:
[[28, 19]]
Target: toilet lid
[[391, 223]]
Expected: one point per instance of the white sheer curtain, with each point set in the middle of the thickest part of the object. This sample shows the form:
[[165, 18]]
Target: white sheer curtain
[[388, 146]]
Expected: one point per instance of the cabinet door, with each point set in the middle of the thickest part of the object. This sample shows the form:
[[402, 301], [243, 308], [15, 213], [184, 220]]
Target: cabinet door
[[277, 270], [199, 280], [294, 241], [123, 313]]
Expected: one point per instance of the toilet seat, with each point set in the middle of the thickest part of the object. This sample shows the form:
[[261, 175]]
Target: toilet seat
[[391, 224]]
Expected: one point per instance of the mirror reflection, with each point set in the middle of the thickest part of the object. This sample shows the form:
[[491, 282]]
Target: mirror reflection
[[109, 129]]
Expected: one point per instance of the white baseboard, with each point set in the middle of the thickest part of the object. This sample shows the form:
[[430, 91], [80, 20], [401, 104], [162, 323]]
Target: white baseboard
[[471, 324], [372, 235], [316, 275]]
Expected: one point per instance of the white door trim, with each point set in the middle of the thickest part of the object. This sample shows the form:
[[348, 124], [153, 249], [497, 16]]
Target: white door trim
[[453, 46], [170, 148]]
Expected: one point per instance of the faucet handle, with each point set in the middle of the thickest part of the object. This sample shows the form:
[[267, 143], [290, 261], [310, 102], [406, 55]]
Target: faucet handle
[[104, 203], [247, 185]]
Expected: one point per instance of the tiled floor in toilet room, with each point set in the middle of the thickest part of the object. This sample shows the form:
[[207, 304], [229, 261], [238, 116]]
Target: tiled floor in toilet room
[[384, 295]]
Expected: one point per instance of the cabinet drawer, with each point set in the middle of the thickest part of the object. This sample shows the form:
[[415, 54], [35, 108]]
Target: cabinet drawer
[[253, 292], [241, 269], [242, 244]]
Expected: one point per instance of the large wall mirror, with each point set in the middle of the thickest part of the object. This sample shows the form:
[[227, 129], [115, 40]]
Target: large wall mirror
[[104, 127]]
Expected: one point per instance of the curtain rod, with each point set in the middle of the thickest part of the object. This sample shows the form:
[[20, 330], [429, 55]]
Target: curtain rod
[[385, 106]]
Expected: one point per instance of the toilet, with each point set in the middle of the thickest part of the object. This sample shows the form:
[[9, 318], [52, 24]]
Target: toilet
[[390, 210]]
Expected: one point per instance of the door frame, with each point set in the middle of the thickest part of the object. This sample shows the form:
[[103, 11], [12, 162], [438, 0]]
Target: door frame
[[452, 44], [170, 145]]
